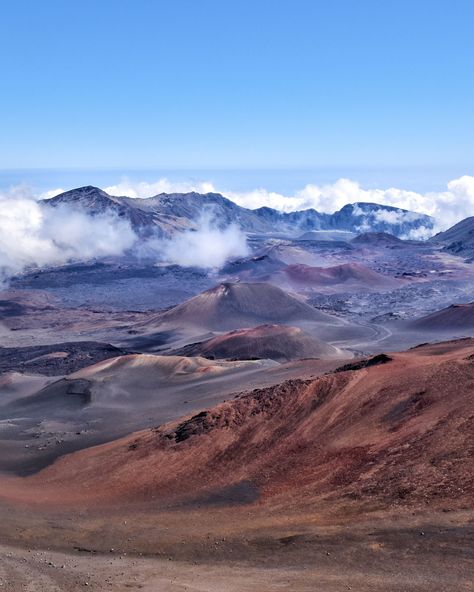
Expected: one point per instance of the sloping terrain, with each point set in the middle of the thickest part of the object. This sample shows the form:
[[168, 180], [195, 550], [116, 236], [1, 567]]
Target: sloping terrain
[[143, 367], [189, 207], [42, 418], [347, 276], [96, 201], [57, 359], [457, 317], [357, 480], [276, 342], [257, 267], [170, 212], [337, 236], [239, 305], [397, 433], [459, 239], [377, 239], [169, 472], [373, 217]]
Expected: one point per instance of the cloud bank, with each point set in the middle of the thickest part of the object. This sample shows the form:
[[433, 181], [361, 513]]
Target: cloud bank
[[163, 185], [32, 235], [205, 246], [447, 207]]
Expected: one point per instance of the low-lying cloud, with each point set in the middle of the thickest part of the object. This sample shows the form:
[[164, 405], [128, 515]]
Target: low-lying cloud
[[34, 235], [206, 246], [163, 185], [447, 206], [396, 219]]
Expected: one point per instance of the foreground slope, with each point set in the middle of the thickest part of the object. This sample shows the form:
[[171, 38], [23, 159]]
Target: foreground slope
[[44, 419], [359, 480], [396, 431]]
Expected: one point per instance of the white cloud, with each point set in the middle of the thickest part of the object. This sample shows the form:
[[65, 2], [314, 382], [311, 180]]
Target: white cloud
[[144, 189], [447, 207], [206, 246], [421, 233], [32, 235], [395, 218], [51, 193]]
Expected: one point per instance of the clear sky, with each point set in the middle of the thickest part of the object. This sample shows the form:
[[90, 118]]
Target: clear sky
[[215, 83]]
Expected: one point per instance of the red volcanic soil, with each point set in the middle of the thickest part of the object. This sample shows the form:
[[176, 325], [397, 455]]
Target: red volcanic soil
[[276, 342], [454, 317], [234, 306], [347, 273], [379, 436]]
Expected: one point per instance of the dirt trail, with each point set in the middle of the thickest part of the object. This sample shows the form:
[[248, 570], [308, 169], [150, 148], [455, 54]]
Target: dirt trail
[[46, 571]]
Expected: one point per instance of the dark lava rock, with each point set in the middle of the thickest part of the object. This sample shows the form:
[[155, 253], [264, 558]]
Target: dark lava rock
[[375, 361], [57, 359]]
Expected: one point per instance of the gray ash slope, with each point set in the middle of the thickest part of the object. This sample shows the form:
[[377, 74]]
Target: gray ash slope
[[459, 239], [115, 285], [95, 201], [457, 317], [167, 213], [378, 239], [236, 305]]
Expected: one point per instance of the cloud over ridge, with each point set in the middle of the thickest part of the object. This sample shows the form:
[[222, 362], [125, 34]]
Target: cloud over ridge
[[206, 246], [32, 235], [447, 206]]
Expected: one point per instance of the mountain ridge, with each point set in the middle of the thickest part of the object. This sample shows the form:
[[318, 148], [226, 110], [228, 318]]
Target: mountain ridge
[[170, 212]]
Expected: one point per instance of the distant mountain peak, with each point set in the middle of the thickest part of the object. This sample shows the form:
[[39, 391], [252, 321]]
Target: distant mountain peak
[[167, 213], [370, 206], [84, 195]]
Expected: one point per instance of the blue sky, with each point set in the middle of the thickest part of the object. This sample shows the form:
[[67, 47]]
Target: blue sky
[[216, 84]]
